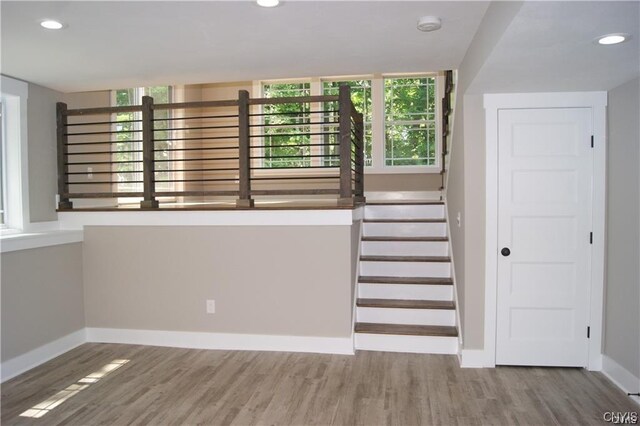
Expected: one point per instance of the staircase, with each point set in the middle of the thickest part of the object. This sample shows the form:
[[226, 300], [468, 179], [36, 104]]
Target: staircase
[[405, 291]]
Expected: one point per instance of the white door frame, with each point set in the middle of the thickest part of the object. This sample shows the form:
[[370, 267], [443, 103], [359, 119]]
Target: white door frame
[[597, 101]]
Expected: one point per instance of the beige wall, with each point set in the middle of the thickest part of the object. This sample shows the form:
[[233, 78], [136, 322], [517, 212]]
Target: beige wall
[[402, 182], [286, 280], [43, 167], [622, 309], [466, 184], [42, 297]]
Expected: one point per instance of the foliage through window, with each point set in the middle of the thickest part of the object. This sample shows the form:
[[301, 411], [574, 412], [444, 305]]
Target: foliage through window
[[281, 121], [361, 98], [128, 150], [410, 121]]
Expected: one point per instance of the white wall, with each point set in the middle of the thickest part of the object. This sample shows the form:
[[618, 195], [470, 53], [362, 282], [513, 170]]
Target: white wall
[[43, 167], [466, 191], [622, 309]]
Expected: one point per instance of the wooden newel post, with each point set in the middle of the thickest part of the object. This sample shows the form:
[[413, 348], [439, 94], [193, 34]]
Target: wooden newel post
[[360, 159], [63, 168], [244, 152], [148, 155], [344, 108]]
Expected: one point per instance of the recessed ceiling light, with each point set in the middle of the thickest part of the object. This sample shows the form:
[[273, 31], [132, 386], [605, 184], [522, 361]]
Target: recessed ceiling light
[[429, 23], [613, 38], [51, 24], [268, 3]]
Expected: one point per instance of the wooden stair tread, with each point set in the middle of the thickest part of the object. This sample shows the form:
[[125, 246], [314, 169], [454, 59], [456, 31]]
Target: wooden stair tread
[[405, 304], [406, 329], [405, 280], [405, 258], [405, 203], [439, 220], [405, 239]]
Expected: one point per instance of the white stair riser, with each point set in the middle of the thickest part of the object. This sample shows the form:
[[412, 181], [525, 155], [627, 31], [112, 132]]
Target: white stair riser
[[405, 248], [408, 344], [434, 211], [405, 229], [406, 269], [405, 291], [406, 316]]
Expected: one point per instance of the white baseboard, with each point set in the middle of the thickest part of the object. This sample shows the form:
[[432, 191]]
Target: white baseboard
[[18, 365], [621, 377], [224, 341], [472, 358]]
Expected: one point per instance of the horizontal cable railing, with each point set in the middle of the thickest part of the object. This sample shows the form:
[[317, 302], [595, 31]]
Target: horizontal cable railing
[[240, 148]]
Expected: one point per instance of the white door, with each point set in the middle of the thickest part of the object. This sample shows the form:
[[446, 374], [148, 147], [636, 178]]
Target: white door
[[545, 171]]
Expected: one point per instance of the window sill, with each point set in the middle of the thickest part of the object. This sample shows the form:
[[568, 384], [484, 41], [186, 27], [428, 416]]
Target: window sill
[[16, 241], [401, 170]]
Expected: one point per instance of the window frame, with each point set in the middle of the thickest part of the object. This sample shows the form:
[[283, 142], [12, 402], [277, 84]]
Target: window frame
[[14, 99], [139, 92], [378, 160]]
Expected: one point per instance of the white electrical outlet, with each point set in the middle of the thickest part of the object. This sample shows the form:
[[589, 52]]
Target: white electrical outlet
[[89, 172], [211, 306]]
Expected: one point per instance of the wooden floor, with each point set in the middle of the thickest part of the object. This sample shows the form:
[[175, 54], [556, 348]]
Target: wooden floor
[[187, 386]]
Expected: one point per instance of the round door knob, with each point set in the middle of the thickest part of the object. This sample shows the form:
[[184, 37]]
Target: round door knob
[[505, 251]]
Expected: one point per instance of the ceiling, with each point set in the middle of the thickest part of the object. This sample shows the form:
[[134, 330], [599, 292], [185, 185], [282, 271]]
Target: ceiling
[[549, 46], [126, 44]]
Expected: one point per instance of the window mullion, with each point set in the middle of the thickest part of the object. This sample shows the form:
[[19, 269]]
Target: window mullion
[[316, 138], [377, 122]]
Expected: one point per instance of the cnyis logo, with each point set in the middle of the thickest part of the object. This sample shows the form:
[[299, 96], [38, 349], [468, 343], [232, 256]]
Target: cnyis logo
[[621, 418]]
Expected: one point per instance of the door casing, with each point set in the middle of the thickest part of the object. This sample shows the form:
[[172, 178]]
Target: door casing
[[597, 103]]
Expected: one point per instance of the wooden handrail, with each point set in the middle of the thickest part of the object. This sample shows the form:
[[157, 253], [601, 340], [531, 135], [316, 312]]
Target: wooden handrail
[[148, 154], [350, 143], [446, 112]]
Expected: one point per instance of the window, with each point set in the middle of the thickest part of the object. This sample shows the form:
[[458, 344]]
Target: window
[[410, 121], [400, 114], [361, 98], [14, 190], [128, 150], [281, 150]]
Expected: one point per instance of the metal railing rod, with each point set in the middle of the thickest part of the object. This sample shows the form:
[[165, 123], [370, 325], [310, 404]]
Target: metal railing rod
[[297, 168], [294, 145], [170, 129], [194, 193], [110, 132], [103, 152], [213, 148], [295, 177], [262, 114], [95, 123], [275, 135], [198, 159], [292, 100], [311, 123], [207, 138], [275, 157], [101, 143], [197, 117], [84, 163]]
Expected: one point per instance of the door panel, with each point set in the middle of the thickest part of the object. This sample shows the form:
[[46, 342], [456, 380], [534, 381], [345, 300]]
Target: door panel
[[545, 168]]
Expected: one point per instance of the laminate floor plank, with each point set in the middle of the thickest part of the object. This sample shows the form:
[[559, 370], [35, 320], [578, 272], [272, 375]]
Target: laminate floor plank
[[173, 386]]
